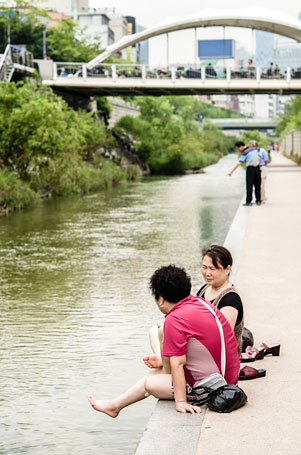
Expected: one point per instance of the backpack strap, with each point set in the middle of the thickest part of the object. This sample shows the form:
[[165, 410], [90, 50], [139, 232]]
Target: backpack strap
[[220, 328]]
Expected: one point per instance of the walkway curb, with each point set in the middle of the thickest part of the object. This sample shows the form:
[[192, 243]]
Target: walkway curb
[[168, 432]]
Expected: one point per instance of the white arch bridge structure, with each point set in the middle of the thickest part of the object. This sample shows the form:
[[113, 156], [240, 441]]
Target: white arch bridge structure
[[99, 78]]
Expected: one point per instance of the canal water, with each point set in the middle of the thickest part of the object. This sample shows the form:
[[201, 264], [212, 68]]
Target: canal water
[[75, 305]]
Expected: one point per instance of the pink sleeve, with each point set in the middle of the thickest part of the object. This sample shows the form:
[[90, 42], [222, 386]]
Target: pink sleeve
[[175, 340]]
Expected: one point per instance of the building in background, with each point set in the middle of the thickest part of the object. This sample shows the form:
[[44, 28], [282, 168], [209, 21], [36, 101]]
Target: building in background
[[144, 48], [97, 25], [287, 53], [269, 49], [264, 49], [65, 6], [119, 24], [101, 23], [133, 51], [247, 105]]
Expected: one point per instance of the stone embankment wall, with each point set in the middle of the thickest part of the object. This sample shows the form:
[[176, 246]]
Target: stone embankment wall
[[291, 144], [121, 108]]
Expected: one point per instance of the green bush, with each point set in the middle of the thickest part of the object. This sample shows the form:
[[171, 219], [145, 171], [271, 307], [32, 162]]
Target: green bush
[[133, 172], [255, 135], [14, 194], [169, 139], [36, 124], [291, 119], [62, 177]]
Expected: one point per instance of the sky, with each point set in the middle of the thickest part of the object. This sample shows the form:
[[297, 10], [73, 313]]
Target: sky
[[181, 44]]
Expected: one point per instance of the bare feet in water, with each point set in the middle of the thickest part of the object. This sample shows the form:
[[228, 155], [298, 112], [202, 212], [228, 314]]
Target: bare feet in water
[[153, 361], [106, 406]]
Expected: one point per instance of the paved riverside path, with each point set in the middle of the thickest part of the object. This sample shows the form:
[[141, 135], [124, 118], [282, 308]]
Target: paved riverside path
[[266, 245], [268, 277]]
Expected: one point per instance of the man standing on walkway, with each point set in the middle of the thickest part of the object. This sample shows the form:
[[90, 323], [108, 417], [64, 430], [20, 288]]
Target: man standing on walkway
[[264, 161], [249, 155]]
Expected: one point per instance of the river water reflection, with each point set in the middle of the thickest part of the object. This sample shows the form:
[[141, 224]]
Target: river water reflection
[[75, 305]]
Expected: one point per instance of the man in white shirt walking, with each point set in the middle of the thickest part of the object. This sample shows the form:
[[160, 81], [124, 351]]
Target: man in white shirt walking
[[264, 161]]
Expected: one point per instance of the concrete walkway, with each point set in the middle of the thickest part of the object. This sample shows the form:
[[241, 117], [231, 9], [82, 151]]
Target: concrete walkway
[[266, 246], [268, 277]]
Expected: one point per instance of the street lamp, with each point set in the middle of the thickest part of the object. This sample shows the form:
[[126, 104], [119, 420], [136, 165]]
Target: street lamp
[[44, 44], [44, 21]]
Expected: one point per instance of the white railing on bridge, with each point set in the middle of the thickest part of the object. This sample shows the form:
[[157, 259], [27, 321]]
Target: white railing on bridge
[[11, 57], [115, 72]]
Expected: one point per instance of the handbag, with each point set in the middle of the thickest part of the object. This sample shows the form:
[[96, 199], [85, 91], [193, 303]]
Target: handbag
[[227, 398], [213, 390]]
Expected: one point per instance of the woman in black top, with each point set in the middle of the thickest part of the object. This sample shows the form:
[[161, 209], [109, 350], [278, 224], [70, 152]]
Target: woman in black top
[[216, 267]]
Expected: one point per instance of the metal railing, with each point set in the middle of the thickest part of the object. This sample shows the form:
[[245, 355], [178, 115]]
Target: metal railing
[[6, 64], [12, 56], [116, 72]]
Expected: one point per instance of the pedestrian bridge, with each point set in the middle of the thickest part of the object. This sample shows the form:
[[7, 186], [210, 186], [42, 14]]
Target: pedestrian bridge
[[15, 63], [254, 18], [122, 80], [261, 124]]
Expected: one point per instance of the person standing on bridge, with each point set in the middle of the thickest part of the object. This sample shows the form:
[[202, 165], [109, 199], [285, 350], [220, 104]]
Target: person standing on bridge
[[264, 161], [249, 155]]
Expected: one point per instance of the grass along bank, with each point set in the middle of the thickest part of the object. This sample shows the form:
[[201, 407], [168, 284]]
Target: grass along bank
[[169, 137], [48, 149]]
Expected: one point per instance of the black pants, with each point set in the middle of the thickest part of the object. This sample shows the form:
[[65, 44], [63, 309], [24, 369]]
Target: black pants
[[253, 177]]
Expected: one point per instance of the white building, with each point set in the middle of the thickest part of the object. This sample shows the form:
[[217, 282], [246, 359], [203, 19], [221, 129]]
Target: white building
[[247, 105], [97, 25], [64, 6]]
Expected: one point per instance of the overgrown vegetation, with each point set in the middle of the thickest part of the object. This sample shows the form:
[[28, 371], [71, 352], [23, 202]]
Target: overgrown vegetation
[[263, 140], [169, 137], [291, 119], [48, 149]]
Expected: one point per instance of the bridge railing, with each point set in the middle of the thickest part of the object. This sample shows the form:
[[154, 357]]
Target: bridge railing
[[22, 57], [146, 72], [5, 63], [12, 56]]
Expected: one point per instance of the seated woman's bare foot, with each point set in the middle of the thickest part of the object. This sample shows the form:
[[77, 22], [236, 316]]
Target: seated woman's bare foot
[[106, 406], [153, 361]]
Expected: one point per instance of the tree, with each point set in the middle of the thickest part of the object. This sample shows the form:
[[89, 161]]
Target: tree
[[168, 138], [291, 119], [67, 43], [23, 23]]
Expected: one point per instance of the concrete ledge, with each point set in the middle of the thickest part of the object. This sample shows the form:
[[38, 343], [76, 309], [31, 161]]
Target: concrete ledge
[[169, 432], [235, 238]]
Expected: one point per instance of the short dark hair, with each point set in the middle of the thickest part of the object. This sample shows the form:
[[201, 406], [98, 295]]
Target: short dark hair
[[170, 282], [239, 144], [220, 256]]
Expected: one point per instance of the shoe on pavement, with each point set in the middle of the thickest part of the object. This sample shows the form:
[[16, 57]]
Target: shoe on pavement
[[258, 203], [247, 203]]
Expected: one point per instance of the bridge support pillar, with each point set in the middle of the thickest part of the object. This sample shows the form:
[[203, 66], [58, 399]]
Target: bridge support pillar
[[228, 74], [195, 47], [54, 75], [84, 70], [258, 73], [114, 72], [203, 73]]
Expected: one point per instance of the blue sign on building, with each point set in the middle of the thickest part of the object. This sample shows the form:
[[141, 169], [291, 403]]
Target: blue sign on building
[[216, 48]]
